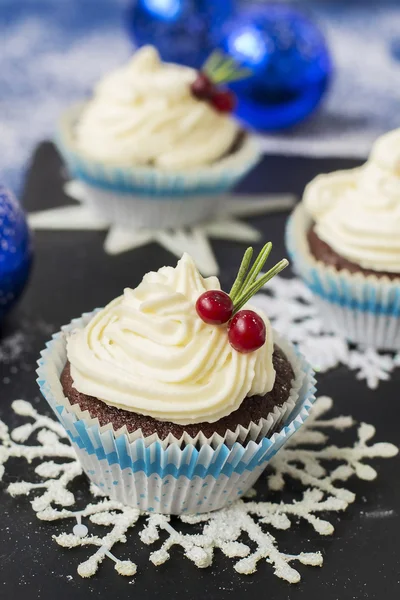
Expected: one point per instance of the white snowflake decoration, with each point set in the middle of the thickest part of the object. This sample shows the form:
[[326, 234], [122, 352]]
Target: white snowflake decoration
[[303, 458], [194, 240], [290, 306]]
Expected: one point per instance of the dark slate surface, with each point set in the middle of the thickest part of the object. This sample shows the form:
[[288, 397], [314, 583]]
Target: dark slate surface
[[72, 274]]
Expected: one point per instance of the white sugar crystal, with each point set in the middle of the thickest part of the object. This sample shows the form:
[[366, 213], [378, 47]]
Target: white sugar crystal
[[19, 488], [88, 568], [235, 549], [23, 408], [313, 559], [201, 557], [126, 568], [365, 472], [12, 347], [159, 557], [48, 469], [246, 566], [149, 535], [67, 540], [21, 434]]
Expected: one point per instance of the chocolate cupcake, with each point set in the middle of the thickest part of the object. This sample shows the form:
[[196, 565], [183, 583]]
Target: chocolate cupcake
[[344, 241], [177, 377], [157, 144]]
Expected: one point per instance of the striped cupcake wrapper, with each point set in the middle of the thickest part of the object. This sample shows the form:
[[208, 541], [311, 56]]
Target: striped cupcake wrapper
[[362, 309], [168, 478], [141, 196]]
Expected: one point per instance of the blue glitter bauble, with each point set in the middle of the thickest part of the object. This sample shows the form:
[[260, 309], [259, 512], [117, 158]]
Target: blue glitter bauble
[[15, 251], [289, 59], [184, 31]]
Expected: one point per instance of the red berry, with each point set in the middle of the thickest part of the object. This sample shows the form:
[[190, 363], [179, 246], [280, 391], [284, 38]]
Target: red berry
[[224, 101], [214, 307], [202, 87], [246, 331]]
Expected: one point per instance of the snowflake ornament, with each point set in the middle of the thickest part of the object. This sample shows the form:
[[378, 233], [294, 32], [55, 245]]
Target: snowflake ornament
[[289, 305], [194, 240], [242, 532]]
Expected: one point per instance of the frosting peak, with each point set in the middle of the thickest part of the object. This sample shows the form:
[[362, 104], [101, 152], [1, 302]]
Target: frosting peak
[[386, 151], [150, 353], [146, 60], [144, 113], [357, 212]]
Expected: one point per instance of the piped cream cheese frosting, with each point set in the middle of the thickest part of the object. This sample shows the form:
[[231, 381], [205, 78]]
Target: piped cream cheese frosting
[[150, 353], [357, 212], [144, 113]]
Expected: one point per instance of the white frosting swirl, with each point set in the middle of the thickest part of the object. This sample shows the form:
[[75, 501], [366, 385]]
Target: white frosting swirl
[[148, 352], [357, 212], [144, 113]]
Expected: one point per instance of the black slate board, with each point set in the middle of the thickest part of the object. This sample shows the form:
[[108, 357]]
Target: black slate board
[[72, 274]]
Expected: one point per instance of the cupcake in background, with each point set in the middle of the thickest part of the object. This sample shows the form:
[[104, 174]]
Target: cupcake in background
[[344, 240], [176, 395], [157, 145]]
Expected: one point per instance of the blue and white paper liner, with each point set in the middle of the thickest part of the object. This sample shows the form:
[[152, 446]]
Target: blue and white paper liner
[[145, 196], [172, 478], [362, 309]]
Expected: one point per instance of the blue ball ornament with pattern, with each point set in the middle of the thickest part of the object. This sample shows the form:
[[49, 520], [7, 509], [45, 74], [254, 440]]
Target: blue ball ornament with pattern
[[289, 59], [15, 251]]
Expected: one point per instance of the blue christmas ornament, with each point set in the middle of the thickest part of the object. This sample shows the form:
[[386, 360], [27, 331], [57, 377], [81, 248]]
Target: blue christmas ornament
[[184, 31], [290, 61], [15, 250]]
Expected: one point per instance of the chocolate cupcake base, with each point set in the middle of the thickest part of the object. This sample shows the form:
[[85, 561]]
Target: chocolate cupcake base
[[251, 410], [326, 254], [166, 476], [361, 306]]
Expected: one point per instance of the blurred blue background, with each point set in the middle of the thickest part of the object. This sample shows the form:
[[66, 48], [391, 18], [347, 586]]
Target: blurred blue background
[[52, 51]]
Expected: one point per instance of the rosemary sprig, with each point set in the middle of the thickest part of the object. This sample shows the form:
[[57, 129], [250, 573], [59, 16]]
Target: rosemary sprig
[[246, 283], [258, 265], [244, 265], [222, 69]]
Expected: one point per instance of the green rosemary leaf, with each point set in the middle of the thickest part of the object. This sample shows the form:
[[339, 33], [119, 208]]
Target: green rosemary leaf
[[213, 62], [222, 75], [221, 68], [228, 75], [244, 266], [257, 285], [257, 266], [227, 66], [242, 74]]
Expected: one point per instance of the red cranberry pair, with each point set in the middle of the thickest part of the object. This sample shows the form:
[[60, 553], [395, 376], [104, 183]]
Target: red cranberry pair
[[246, 330], [204, 89]]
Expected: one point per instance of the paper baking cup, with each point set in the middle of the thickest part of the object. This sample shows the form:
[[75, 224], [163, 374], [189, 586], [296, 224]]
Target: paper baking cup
[[178, 476], [363, 309], [140, 196]]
